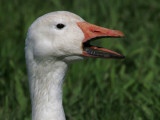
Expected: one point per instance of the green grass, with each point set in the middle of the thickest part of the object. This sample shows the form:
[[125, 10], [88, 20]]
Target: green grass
[[94, 89]]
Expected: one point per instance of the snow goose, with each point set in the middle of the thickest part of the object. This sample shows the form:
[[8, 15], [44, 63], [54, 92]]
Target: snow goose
[[53, 41]]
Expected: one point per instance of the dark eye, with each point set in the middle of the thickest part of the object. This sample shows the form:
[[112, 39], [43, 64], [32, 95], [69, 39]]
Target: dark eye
[[60, 26]]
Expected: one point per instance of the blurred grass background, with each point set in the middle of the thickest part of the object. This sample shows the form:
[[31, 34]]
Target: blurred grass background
[[94, 89]]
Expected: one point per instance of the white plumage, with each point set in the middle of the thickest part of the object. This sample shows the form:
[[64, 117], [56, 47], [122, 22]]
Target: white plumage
[[53, 41]]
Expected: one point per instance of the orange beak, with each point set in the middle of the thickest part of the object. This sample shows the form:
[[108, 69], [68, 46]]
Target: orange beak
[[92, 32]]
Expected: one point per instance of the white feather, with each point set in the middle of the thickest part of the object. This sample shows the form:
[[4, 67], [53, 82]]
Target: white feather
[[48, 52]]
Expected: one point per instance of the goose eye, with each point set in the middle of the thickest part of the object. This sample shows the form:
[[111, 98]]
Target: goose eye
[[60, 26]]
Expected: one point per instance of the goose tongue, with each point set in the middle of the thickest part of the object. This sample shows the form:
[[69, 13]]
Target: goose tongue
[[92, 32]]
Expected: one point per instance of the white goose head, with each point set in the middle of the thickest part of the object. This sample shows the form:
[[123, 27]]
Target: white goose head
[[52, 41], [66, 36]]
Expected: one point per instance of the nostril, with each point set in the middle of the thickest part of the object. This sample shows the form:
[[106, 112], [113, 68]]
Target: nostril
[[96, 31]]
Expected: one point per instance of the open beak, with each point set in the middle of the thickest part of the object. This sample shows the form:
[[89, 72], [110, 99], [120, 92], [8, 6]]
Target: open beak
[[92, 32]]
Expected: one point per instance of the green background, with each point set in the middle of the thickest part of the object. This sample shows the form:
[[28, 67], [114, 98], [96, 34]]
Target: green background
[[94, 89]]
